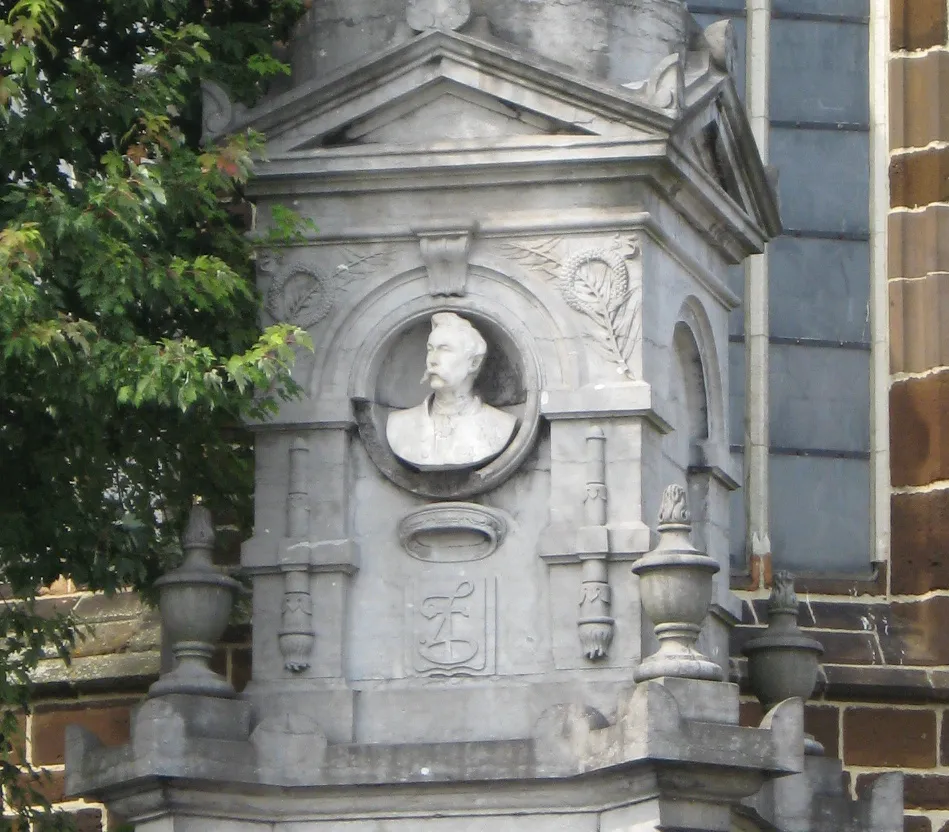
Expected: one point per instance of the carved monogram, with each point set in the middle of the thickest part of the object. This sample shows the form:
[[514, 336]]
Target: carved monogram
[[595, 282], [453, 629], [446, 643]]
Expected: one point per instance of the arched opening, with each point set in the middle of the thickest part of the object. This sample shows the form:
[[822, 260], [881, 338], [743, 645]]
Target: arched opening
[[692, 383]]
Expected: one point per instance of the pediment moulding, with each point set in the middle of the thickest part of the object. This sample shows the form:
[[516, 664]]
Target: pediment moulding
[[618, 41], [444, 104], [350, 102]]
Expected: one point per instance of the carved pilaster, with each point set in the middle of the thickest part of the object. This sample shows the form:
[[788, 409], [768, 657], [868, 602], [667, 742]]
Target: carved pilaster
[[595, 623], [296, 635]]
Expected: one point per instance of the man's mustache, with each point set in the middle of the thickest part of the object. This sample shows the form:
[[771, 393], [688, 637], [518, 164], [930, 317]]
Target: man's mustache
[[428, 375]]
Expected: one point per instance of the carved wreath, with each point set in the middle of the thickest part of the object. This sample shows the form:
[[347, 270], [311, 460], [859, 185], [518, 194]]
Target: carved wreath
[[299, 296], [595, 282], [303, 295]]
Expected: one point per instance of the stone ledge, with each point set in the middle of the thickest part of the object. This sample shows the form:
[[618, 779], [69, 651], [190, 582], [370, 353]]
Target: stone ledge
[[873, 583], [861, 683], [904, 633], [112, 673], [198, 738]]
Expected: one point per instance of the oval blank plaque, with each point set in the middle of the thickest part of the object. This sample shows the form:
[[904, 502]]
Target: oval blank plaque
[[452, 532]]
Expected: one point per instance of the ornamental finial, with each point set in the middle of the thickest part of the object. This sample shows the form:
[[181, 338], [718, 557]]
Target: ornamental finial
[[674, 508]]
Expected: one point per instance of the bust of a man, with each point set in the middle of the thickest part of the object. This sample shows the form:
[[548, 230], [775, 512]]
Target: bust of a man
[[452, 428]]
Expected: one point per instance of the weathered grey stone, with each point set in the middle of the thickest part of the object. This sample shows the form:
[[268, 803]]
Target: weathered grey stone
[[196, 600], [619, 40], [815, 801], [452, 646], [291, 744], [675, 581]]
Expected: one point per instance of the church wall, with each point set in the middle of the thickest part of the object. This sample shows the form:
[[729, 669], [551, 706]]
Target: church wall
[[881, 704]]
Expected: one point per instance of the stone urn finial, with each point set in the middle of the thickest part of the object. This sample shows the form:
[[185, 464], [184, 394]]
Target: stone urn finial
[[675, 584], [783, 662], [195, 604]]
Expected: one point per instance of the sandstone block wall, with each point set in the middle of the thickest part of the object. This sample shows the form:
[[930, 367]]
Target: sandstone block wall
[[113, 666]]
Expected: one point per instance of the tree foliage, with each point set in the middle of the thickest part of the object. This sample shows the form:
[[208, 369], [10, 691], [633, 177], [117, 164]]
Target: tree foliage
[[128, 331]]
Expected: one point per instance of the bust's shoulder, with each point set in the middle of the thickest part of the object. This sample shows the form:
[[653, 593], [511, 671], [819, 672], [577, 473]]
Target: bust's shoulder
[[407, 419], [496, 420]]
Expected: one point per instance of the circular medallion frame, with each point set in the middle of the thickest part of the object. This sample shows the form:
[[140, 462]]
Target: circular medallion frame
[[509, 347]]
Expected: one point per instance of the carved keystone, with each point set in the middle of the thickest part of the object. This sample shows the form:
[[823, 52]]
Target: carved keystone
[[445, 253]]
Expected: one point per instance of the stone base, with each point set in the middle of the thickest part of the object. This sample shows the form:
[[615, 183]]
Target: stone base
[[685, 667], [673, 758]]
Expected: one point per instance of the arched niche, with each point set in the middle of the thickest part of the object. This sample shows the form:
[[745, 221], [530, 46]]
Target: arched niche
[[699, 370], [692, 393], [381, 347], [700, 440]]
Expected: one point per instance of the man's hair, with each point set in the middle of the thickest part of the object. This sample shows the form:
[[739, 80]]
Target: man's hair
[[474, 342]]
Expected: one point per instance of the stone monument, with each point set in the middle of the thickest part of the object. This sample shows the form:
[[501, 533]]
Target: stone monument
[[537, 203]]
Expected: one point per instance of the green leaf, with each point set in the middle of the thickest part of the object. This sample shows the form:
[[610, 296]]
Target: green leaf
[[128, 306]]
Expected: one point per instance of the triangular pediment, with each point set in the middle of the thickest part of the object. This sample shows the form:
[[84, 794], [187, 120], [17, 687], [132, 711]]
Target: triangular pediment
[[442, 86], [450, 112], [443, 101], [714, 136]]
